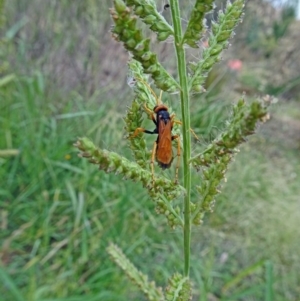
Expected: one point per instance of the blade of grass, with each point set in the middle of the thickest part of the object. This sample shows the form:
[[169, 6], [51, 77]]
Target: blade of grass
[[238, 278], [269, 296], [10, 286]]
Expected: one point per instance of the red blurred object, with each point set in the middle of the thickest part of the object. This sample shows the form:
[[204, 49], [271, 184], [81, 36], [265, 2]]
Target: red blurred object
[[235, 65]]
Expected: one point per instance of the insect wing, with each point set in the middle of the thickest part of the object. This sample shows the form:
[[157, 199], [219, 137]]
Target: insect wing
[[164, 154]]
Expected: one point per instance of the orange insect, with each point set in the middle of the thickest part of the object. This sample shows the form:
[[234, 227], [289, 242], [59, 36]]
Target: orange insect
[[162, 148]]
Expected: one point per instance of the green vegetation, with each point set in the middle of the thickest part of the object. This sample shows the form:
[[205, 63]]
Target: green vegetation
[[58, 213]]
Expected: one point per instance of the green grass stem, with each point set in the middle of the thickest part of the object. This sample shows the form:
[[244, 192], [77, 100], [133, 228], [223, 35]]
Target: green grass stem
[[185, 115]]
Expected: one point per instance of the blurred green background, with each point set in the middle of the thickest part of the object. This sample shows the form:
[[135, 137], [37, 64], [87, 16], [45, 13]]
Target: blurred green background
[[61, 77]]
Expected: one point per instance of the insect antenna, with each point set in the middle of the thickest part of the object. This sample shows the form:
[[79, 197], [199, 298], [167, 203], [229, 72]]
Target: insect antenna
[[157, 99]]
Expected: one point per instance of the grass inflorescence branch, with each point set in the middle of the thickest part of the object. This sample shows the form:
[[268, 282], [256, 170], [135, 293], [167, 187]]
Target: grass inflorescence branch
[[149, 14], [179, 288], [221, 32], [242, 123], [127, 31], [149, 288], [214, 160], [162, 191], [196, 25], [135, 113]]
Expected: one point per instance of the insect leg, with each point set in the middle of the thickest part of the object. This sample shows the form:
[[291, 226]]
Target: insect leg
[[150, 113], [178, 156], [180, 123], [158, 100], [142, 130], [137, 131]]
